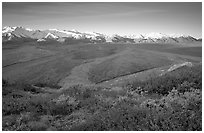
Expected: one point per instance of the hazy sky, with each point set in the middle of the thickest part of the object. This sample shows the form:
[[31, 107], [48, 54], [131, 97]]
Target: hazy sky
[[121, 18]]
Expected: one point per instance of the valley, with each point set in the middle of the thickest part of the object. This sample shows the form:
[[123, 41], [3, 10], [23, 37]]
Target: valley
[[67, 65]]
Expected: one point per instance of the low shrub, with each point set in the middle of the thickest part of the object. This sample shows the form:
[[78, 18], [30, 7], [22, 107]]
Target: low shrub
[[37, 126], [176, 105], [4, 83], [164, 84]]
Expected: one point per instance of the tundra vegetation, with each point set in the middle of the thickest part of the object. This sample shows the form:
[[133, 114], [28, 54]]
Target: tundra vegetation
[[171, 102]]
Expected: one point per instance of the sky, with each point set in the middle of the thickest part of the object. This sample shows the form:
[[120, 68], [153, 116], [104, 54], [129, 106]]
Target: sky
[[109, 18]]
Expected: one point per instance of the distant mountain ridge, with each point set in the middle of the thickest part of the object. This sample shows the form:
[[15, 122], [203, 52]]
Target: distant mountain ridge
[[73, 36]]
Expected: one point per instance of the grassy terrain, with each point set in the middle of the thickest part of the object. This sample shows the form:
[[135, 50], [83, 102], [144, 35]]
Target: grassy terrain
[[131, 62], [192, 51], [48, 63], [171, 102], [176, 49], [52, 62]]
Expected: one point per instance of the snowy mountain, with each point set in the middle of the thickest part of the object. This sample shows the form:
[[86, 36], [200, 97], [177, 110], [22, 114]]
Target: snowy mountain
[[155, 35], [74, 36], [51, 36], [8, 29]]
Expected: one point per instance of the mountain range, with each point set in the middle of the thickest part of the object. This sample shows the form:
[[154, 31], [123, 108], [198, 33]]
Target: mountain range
[[74, 36]]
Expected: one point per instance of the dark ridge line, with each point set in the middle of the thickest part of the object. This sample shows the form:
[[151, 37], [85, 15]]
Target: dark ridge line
[[20, 62], [124, 75]]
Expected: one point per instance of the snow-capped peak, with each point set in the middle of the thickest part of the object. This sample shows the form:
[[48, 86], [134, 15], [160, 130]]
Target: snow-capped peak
[[177, 35], [155, 35], [93, 33], [50, 35], [29, 29], [54, 30], [74, 30], [8, 29], [88, 32], [135, 36], [69, 33]]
